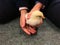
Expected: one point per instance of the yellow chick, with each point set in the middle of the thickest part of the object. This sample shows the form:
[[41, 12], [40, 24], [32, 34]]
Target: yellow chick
[[35, 18]]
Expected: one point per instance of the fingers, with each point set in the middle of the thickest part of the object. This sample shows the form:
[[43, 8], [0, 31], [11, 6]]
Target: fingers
[[28, 15], [26, 31], [32, 30], [29, 30]]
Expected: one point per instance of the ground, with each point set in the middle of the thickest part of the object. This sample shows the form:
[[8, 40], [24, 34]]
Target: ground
[[11, 34]]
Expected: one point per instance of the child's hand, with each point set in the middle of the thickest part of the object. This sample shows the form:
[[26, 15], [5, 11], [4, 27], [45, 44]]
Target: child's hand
[[22, 24], [27, 29]]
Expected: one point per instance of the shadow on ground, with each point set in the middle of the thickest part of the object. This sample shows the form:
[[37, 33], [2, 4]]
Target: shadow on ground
[[11, 34]]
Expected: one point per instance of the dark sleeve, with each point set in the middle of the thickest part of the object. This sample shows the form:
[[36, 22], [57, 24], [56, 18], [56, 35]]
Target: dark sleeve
[[22, 3], [43, 1]]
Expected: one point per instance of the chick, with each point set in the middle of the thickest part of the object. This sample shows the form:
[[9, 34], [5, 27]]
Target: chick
[[35, 18]]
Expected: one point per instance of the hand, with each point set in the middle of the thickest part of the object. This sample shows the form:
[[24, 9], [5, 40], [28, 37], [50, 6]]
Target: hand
[[27, 29]]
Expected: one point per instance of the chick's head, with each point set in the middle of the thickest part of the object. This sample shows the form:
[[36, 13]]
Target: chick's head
[[37, 13]]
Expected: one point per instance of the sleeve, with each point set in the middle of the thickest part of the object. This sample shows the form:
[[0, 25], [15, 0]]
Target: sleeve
[[22, 3], [44, 2]]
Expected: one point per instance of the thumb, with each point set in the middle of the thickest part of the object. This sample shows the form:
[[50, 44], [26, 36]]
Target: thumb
[[28, 15]]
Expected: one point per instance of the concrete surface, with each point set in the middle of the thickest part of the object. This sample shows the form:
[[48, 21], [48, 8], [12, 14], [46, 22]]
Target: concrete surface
[[11, 34]]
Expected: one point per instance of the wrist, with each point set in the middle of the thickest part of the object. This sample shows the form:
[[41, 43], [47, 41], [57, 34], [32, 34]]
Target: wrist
[[23, 12]]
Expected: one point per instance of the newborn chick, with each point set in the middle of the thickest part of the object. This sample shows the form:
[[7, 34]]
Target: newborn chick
[[35, 18]]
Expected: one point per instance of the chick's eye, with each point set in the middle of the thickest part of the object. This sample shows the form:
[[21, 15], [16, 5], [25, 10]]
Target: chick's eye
[[38, 16]]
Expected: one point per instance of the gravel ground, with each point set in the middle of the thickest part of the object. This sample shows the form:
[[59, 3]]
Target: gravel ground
[[11, 34]]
